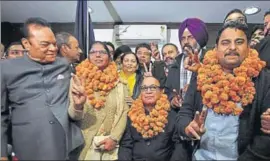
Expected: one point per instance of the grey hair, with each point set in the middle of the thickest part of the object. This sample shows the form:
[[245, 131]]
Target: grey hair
[[62, 38]]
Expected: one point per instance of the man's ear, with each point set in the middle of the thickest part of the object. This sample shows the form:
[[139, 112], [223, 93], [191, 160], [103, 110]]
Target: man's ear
[[25, 43], [63, 50]]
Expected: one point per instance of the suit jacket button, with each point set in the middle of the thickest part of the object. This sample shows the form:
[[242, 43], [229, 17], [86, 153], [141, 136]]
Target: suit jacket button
[[51, 122], [148, 143]]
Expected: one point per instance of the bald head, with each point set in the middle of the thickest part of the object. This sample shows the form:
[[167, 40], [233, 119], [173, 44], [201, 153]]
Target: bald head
[[150, 81]]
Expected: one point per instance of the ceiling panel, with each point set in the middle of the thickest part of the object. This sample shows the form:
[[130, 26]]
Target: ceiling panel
[[177, 11], [19, 11], [52, 11], [129, 11]]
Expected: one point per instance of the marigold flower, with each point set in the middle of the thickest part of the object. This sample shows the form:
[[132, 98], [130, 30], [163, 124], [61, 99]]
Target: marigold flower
[[229, 88]]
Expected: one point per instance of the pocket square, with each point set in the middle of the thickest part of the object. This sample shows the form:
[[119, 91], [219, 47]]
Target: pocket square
[[60, 76]]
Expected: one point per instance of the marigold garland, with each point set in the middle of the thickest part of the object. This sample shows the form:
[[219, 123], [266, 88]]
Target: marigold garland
[[221, 91], [97, 81], [152, 124]]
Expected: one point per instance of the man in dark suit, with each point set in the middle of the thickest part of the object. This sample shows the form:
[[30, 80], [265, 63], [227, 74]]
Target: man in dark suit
[[36, 88], [225, 128], [68, 47], [193, 36], [139, 144]]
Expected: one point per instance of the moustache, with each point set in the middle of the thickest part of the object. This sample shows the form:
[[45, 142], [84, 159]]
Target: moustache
[[189, 47], [169, 58], [232, 53]]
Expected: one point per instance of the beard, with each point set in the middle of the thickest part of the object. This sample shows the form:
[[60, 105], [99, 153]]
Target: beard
[[169, 61], [196, 47]]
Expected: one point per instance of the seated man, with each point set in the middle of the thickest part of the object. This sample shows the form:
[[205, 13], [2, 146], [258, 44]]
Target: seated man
[[150, 132], [232, 91]]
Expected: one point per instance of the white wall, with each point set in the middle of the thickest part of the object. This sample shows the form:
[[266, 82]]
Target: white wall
[[107, 35]]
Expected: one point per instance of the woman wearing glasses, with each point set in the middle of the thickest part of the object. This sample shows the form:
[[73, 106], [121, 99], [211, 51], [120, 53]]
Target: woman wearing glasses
[[104, 115]]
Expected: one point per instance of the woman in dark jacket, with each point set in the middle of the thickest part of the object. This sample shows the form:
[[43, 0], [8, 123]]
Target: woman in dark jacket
[[131, 75], [119, 52]]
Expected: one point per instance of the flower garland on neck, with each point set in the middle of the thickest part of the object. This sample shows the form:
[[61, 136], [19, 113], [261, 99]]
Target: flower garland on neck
[[221, 91], [97, 83], [152, 124]]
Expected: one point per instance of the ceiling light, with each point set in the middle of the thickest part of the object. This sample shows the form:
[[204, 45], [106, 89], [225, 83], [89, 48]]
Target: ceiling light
[[251, 10], [90, 10]]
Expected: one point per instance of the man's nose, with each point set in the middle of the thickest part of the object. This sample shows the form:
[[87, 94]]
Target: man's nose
[[53, 47], [232, 46], [80, 51]]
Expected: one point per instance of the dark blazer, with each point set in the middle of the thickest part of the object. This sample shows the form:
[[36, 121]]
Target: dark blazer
[[137, 86], [173, 79], [159, 72], [38, 96], [253, 144], [163, 147], [263, 49]]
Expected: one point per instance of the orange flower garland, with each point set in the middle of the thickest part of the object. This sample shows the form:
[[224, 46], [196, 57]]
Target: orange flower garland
[[221, 91], [152, 124], [95, 80]]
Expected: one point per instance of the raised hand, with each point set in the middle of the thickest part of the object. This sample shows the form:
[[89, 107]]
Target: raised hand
[[265, 121], [147, 73], [192, 62], [177, 99], [155, 51], [196, 128], [78, 93]]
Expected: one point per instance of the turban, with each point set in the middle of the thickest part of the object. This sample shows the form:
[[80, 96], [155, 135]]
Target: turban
[[197, 28]]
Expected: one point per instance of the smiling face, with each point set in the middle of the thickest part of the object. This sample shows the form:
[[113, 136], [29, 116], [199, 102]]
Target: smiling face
[[150, 91], [232, 48], [99, 56], [41, 44], [129, 64]]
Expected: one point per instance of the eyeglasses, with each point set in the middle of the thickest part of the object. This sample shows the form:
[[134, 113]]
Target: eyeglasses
[[152, 88], [102, 52]]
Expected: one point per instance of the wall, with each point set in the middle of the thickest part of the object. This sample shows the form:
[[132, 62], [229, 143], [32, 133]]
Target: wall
[[104, 32]]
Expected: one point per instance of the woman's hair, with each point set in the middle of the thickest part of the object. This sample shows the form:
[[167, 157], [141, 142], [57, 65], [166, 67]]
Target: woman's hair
[[104, 46], [129, 53], [120, 50], [110, 44]]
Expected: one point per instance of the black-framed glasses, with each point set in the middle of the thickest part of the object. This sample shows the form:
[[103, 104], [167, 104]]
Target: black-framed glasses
[[102, 52], [152, 88]]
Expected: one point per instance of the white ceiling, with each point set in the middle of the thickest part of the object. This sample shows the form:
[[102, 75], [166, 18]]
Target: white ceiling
[[130, 11]]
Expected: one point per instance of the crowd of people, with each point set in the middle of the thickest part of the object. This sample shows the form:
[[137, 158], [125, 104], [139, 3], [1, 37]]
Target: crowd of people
[[144, 105]]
